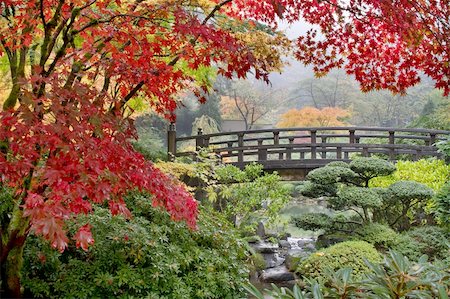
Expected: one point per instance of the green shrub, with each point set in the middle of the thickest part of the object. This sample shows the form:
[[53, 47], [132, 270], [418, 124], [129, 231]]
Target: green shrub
[[148, 256], [253, 194], [369, 168], [257, 262], [442, 200], [312, 221], [401, 198], [381, 236], [356, 196], [329, 175], [431, 172], [316, 190], [338, 164], [349, 254], [431, 240]]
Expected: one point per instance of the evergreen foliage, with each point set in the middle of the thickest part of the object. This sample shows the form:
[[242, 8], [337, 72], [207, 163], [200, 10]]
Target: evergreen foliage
[[148, 256]]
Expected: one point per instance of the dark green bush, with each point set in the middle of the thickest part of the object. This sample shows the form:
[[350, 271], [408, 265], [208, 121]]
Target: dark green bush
[[349, 254], [356, 196], [316, 190], [381, 236], [148, 256], [330, 175], [369, 168], [399, 199], [430, 240], [338, 164], [442, 200], [313, 221]]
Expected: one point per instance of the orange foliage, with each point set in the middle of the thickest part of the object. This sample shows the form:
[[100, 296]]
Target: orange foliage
[[313, 117]]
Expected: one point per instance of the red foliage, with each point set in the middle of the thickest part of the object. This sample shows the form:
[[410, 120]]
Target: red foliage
[[82, 156], [384, 44]]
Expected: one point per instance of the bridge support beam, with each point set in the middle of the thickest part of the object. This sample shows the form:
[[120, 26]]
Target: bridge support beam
[[171, 142]]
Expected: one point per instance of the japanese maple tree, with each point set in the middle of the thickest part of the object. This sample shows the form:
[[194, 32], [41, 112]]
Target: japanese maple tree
[[65, 135]]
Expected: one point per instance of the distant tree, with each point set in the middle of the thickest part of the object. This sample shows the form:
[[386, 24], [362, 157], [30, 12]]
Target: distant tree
[[435, 114], [249, 102], [313, 117]]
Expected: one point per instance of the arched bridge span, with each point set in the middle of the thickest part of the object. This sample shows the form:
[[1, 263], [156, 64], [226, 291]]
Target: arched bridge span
[[295, 151]]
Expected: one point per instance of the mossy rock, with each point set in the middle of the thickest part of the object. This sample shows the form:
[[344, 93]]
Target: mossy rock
[[294, 260], [258, 262], [349, 254]]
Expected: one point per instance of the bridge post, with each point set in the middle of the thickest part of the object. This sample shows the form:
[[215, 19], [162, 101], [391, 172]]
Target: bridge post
[[339, 152], [418, 155], [262, 153], [240, 144], [392, 141], [352, 138], [289, 149], [324, 148], [199, 139], [365, 152], [432, 138], [171, 141], [276, 141], [313, 147]]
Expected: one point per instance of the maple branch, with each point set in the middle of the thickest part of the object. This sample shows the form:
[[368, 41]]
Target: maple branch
[[133, 92], [214, 10], [41, 13]]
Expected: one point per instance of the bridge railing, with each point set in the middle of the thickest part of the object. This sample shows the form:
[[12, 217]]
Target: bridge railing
[[285, 145]]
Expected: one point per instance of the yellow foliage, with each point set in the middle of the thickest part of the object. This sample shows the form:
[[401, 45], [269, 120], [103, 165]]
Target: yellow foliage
[[313, 117], [266, 47]]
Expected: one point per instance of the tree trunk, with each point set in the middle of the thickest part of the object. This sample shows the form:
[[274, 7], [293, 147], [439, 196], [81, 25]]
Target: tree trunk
[[11, 253], [11, 268]]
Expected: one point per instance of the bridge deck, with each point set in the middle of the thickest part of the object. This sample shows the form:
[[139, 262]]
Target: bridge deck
[[304, 149]]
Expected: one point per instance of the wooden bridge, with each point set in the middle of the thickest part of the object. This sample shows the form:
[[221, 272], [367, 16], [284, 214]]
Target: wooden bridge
[[295, 151]]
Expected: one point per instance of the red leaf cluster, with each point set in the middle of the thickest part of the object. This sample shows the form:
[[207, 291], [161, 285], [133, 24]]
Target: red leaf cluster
[[76, 155]]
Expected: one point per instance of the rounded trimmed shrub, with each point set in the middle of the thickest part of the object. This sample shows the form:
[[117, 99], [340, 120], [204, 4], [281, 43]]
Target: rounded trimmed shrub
[[349, 254], [329, 175], [147, 256], [372, 167], [381, 236], [338, 164], [409, 190], [357, 196]]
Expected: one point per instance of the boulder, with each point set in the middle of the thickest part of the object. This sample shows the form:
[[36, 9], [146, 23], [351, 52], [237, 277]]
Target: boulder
[[284, 244], [276, 275], [273, 260], [260, 230], [294, 257], [264, 247]]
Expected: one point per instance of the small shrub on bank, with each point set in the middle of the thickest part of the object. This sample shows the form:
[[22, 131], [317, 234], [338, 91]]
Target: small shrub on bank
[[431, 240], [349, 254], [396, 277], [442, 200]]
